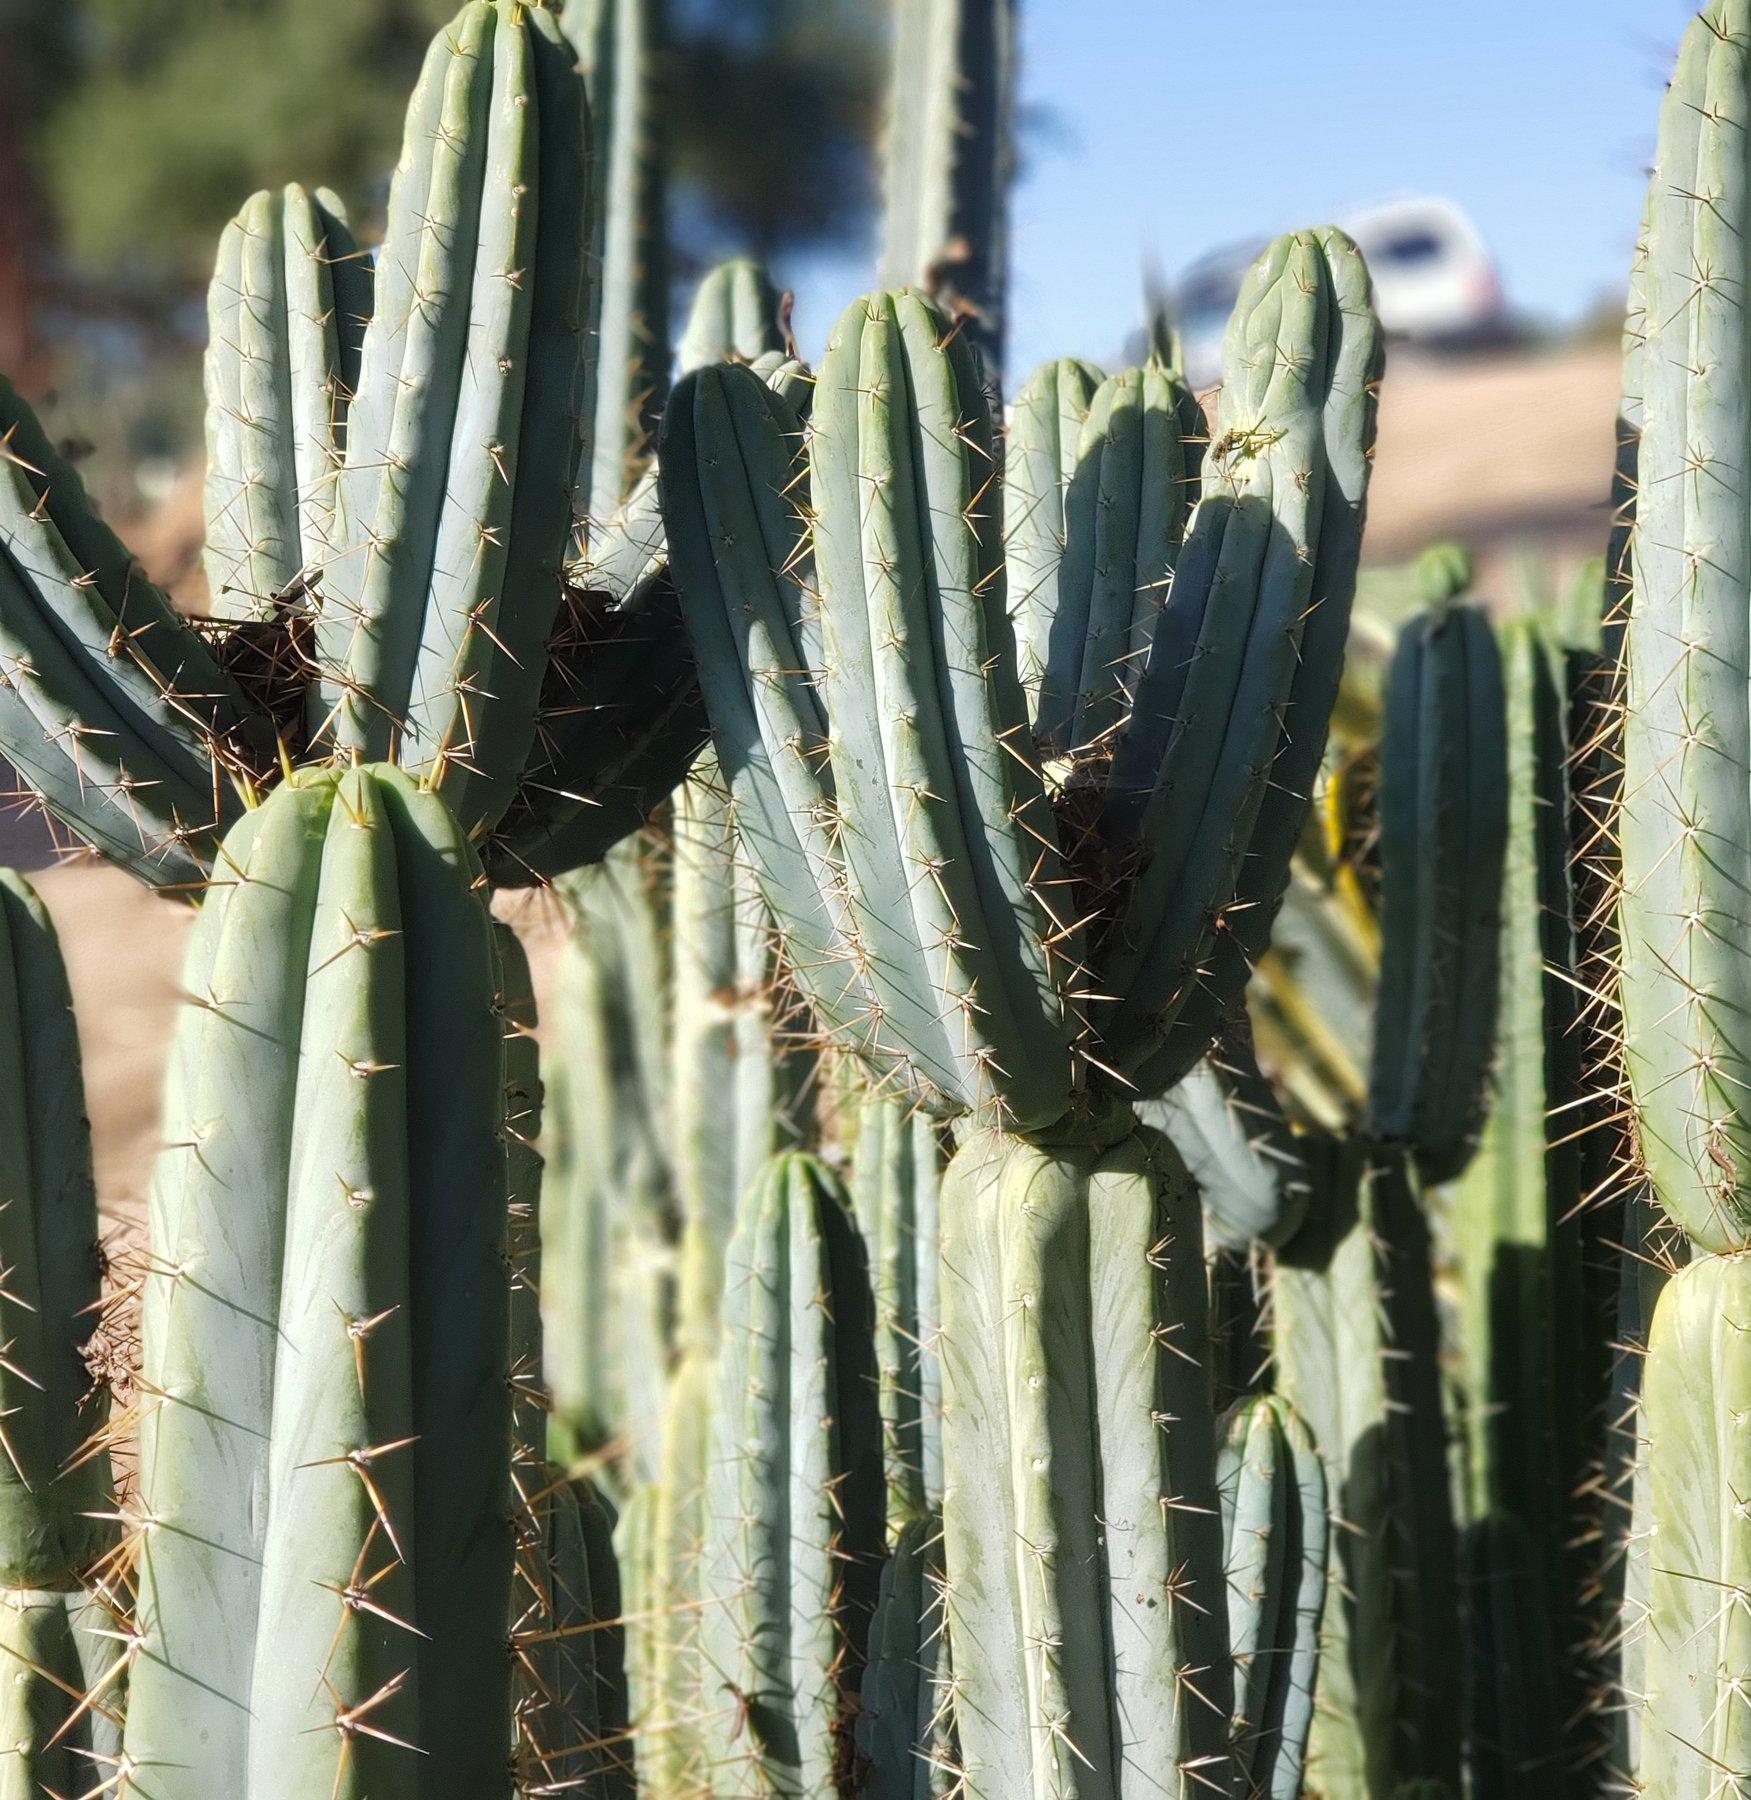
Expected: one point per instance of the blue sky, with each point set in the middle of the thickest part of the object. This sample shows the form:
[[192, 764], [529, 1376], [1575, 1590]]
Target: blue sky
[[1170, 127]]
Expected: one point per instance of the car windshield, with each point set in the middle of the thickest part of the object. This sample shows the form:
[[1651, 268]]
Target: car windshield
[[1411, 248]]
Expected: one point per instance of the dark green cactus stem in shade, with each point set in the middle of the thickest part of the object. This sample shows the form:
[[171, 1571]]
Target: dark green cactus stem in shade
[[521, 1130], [1686, 817], [949, 156], [794, 1496], [1085, 1597], [1039, 463], [906, 1746], [737, 315], [1253, 637], [607, 1206], [329, 1411], [619, 44], [1357, 1357], [1527, 1356], [1696, 1400], [286, 313], [1443, 837], [573, 1735], [1272, 1484], [61, 1646], [455, 508], [896, 1175], [1226, 1121], [112, 709]]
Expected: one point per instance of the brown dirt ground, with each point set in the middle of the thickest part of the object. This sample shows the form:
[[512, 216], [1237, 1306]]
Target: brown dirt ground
[[1511, 455]]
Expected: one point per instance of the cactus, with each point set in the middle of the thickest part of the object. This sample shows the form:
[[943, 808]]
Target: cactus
[[794, 1492], [530, 1401], [325, 1455], [60, 1661], [1530, 1371], [738, 1093], [454, 507], [572, 1717], [619, 44], [950, 155], [1357, 1357], [1077, 1422], [1125, 511], [905, 1726], [286, 312], [112, 709], [1273, 1493], [676, 1706], [737, 315], [1686, 812], [1226, 1121], [607, 1207], [1443, 831], [1040, 461], [1696, 1731], [896, 1172]]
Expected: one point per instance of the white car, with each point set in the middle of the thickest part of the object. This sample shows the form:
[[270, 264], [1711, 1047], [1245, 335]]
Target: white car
[[1434, 282]]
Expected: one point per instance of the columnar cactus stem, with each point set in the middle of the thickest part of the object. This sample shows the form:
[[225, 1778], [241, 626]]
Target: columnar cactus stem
[[950, 158], [454, 515], [1443, 835], [1226, 1121], [60, 1647], [1040, 462], [1125, 511], [287, 310], [1696, 1401], [1357, 1357], [794, 1498], [1273, 1490], [737, 315], [896, 1172], [1686, 814], [112, 709], [606, 1195], [1082, 1535], [619, 44], [905, 1727], [325, 1451]]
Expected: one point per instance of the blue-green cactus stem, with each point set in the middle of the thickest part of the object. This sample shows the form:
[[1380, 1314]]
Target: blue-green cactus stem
[[1039, 463], [620, 47], [1136, 479], [950, 157], [794, 1494], [1082, 1536], [961, 912], [286, 313], [737, 315], [1253, 636], [1685, 826], [1271, 1479], [896, 1174], [325, 1448], [112, 709]]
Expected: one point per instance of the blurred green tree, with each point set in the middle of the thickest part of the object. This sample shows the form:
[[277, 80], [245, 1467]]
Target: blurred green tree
[[181, 108]]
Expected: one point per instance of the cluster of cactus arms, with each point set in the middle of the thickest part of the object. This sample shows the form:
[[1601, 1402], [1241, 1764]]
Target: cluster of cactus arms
[[1129, 1183]]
